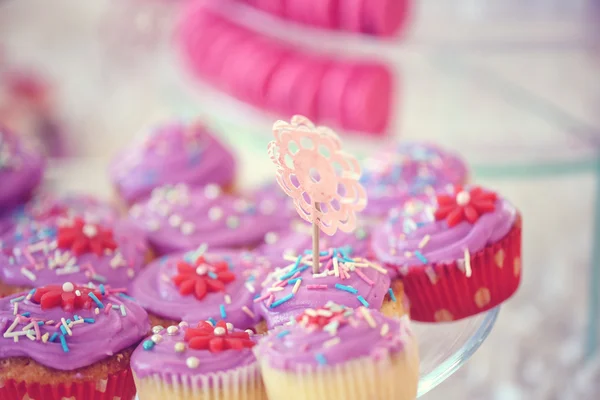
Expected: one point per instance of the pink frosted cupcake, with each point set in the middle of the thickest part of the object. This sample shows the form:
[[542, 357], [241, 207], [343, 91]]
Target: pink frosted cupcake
[[457, 252], [178, 218], [208, 361], [77, 251], [333, 352], [406, 170], [21, 171], [199, 285], [173, 152]]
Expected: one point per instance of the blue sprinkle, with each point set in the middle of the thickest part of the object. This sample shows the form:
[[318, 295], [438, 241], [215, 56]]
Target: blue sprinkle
[[102, 290], [123, 295], [148, 344], [392, 295], [251, 278], [68, 321], [223, 313], [63, 329], [321, 359], [98, 302], [17, 299], [26, 314], [292, 281], [324, 253], [346, 251], [212, 275], [53, 337], [345, 288], [212, 321], [40, 323], [89, 320], [288, 275], [421, 257], [282, 300], [63, 343], [256, 296], [303, 268], [32, 292], [283, 333], [76, 317], [363, 301]]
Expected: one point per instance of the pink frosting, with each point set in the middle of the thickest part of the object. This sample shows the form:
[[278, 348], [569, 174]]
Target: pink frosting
[[155, 290], [178, 218], [173, 152], [412, 236]]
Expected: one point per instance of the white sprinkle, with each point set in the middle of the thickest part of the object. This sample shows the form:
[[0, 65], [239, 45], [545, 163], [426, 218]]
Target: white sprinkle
[[468, 270], [28, 274], [297, 286], [11, 327], [385, 328], [250, 287], [248, 311], [15, 308], [227, 299], [336, 267], [229, 327], [123, 311], [96, 311], [64, 323], [67, 271]]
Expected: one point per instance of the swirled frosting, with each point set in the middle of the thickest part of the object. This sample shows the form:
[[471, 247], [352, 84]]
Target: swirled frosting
[[160, 287], [413, 236], [21, 170], [171, 153], [178, 218], [351, 282], [102, 332], [53, 254], [408, 169], [172, 352], [333, 335]]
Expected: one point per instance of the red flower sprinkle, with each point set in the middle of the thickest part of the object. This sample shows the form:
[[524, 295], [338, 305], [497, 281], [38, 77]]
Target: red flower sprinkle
[[81, 237], [202, 277], [217, 338], [464, 205], [65, 296], [321, 317]]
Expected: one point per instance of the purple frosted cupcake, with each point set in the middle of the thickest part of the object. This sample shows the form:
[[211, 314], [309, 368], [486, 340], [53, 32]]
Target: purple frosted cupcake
[[408, 169], [178, 218], [333, 352], [198, 286], [173, 152], [77, 251], [69, 341], [209, 361], [352, 282], [21, 171]]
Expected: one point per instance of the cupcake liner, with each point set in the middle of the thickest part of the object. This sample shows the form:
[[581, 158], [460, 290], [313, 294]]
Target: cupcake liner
[[116, 386], [386, 376], [442, 292], [243, 383]]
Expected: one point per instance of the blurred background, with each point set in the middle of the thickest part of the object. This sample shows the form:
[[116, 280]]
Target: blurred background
[[513, 85]]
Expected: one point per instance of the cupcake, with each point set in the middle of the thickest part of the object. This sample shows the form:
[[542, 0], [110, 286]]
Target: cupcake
[[458, 252], [178, 218], [21, 171], [44, 208], [199, 285], [298, 237], [208, 361], [333, 352], [406, 170], [76, 251], [173, 152], [69, 341], [351, 282]]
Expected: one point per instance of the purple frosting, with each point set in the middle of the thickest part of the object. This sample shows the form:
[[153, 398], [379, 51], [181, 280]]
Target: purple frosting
[[172, 153], [21, 171], [298, 238], [178, 218], [408, 169], [354, 282], [411, 236], [163, 359], [100, 336], [36, 260], [45, 208], [359, 333], [155, 290]]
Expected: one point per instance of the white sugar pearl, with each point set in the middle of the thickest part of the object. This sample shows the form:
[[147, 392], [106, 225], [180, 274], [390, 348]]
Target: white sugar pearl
[[172, 330], [202, 270], [215, 213], [179, 347], [233, 222], [212, 191], [153, 225], [157, 329], [271, 238], [463, 198], [156, 338], [219, 331], [175, 220], [249, 332], [183, 324], [90, 230], [187, 228], [68, 287], [192, 362]]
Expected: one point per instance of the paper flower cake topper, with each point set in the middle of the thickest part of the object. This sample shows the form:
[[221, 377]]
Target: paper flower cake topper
[[322, 180]]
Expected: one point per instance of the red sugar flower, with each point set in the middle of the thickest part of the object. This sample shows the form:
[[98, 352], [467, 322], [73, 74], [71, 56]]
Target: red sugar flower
[[202, 277], [321, 317], [81, 237], [68, 296], [217, 338], [464, 205]]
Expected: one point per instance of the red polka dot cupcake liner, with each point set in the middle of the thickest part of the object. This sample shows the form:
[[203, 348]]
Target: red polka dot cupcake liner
[[443, 292], [116, 386]]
